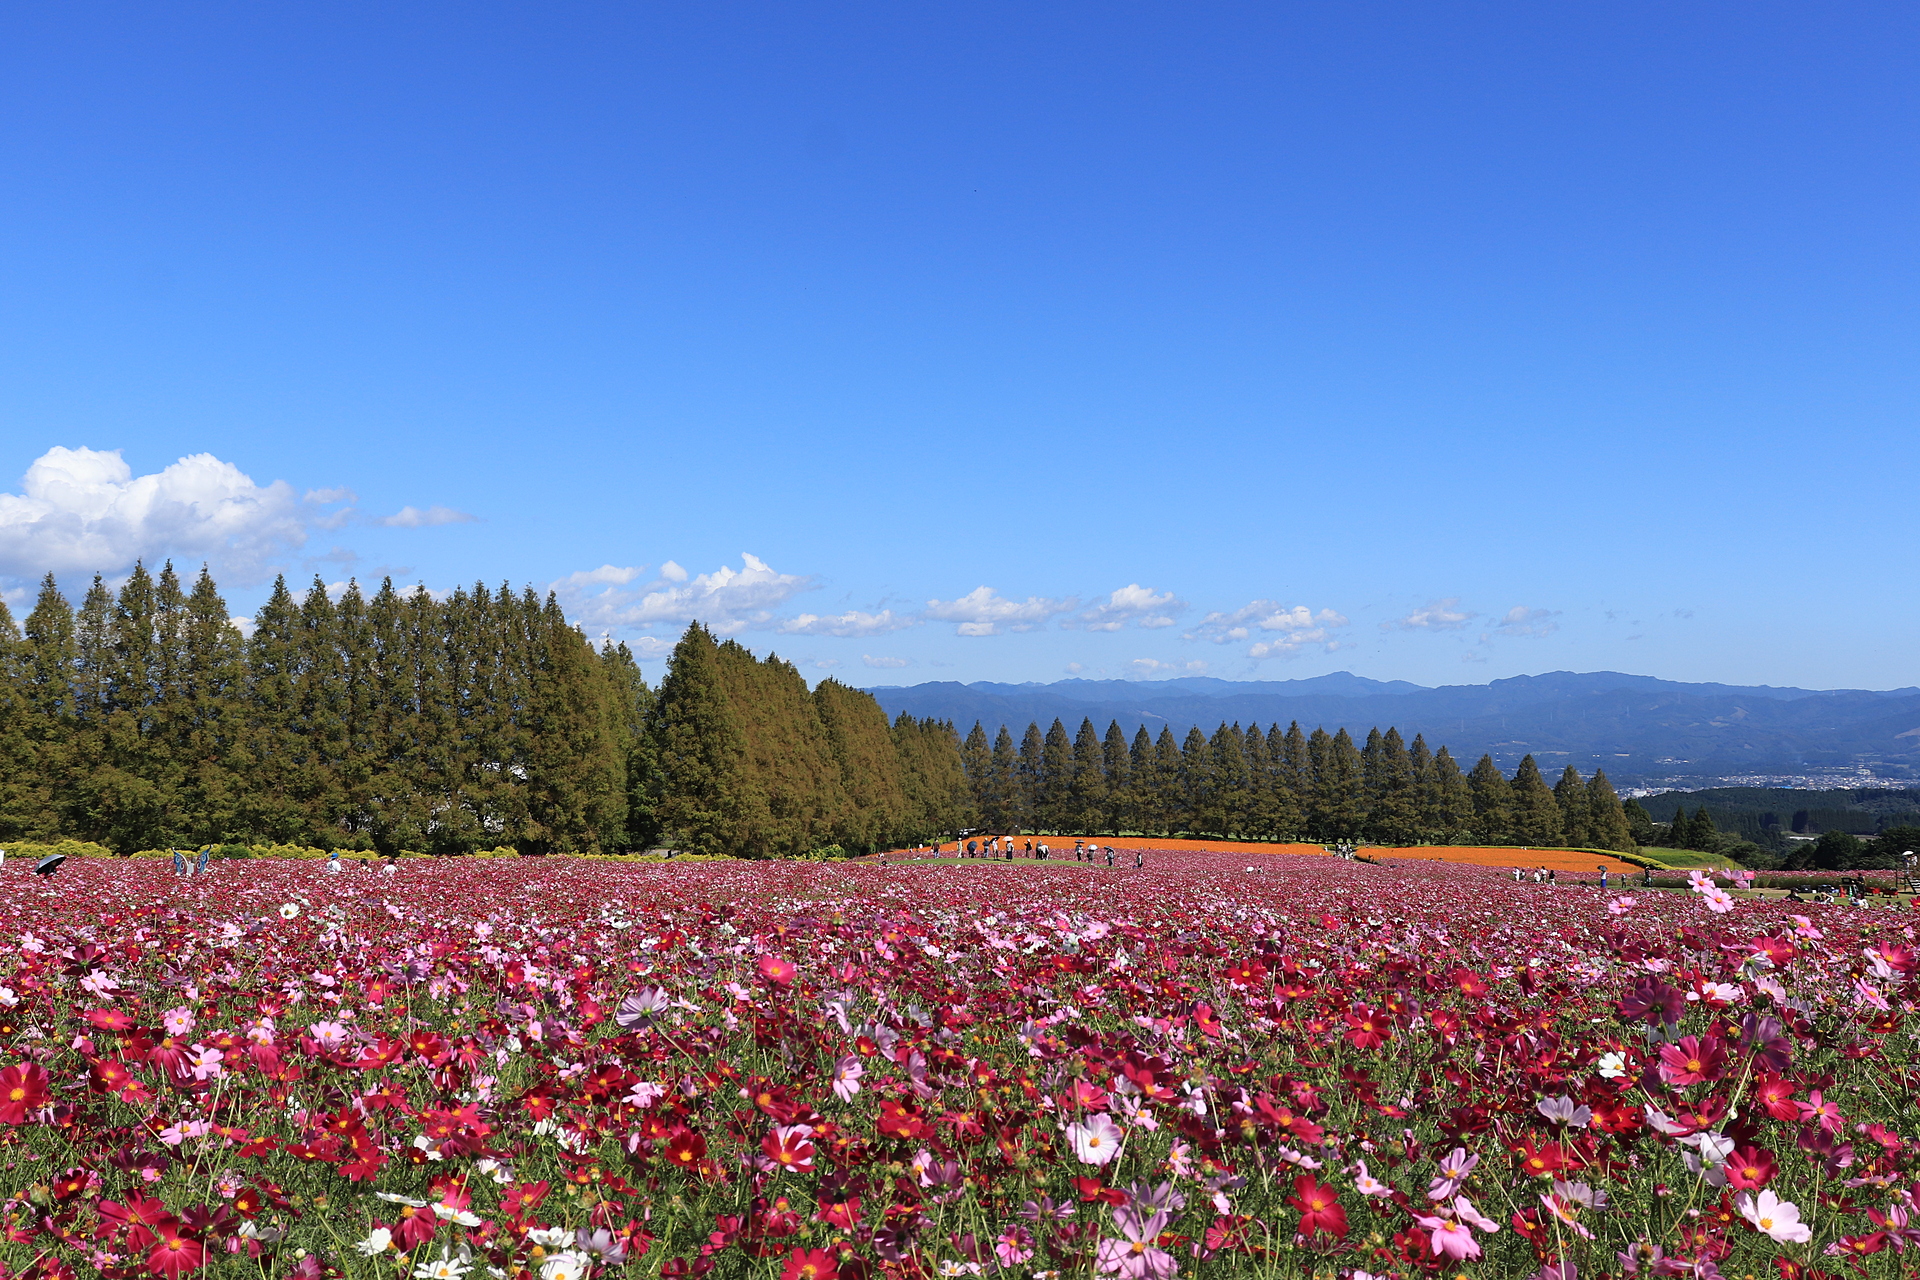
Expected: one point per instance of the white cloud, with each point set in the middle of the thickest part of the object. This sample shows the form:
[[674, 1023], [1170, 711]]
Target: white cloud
[[1291, 629], [885, 664], [826, 664], [83, 510], [1131, 602], [1155, 667], [1439, 615], [985, 612], [1522, 621], [415, 518], [727, 600], [851, 623]]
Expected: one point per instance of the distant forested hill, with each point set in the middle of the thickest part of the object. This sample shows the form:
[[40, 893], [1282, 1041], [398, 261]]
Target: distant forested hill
[[1640, 729]]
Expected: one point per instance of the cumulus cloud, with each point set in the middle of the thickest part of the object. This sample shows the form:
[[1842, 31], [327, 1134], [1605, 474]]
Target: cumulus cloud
[[1439, 615], [728, 600], [985, 612], [885, 664], [1522, 621], [83, 510], [1283, 630], [851, 623], [415, 518], [1155, 667], [1134, 603]]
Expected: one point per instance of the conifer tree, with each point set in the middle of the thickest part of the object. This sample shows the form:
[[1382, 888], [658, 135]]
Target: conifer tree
[[1008, 809], [1193, 794], [701, 749], [1054, 805], [1536, 814], [1087, 790], [1167, 805], [870, 774], [1343, 789], [1607, 826], [1256, 807], [1426, 791], [939, 801], [1701, 833], [1570, 793], [976, 755], [1492, 802], [26, 808], [1287, 754], [1030, 777], [1223, 806], [1117, 761], [1454, 803], [1393, 816], [1143, 813]]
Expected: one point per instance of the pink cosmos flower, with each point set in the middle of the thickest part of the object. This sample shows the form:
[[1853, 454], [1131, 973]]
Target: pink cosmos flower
[[1454, 1239]]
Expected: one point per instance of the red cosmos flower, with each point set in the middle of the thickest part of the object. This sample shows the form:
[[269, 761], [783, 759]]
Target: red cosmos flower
[[1776, 1095], [839, 1211], [174, 1252], [1370, 1028], [23, 1091], [522, 1198], [1695, 1060], [1319, 1208], [1541, 1161], [685, 1148], [1749, 1168], [110, 1020], [1468, 983], [811, 1264], [780, 973]]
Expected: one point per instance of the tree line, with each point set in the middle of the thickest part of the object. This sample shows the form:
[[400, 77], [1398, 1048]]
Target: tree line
[[143, 718], [1277, 784]]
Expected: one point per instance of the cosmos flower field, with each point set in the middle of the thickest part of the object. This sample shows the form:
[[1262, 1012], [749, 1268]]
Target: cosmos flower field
[[1220, 1065]]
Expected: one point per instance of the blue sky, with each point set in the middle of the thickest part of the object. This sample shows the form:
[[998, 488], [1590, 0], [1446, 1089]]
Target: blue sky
[[1437, 342]]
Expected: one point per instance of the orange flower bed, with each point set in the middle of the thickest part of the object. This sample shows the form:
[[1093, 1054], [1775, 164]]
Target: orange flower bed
[[1494, 856]]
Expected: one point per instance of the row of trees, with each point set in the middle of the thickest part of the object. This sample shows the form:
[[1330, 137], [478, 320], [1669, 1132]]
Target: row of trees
[[143, 718], [1280, 784]]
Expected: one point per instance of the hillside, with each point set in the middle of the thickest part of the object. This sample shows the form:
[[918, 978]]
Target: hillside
[[1643, 731]]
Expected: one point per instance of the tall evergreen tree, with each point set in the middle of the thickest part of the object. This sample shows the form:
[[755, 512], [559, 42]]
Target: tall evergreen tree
[[1607, 826], [1053, 806], [1007, 798], [1117, 761], [1143, 812], [701, 749], [1454, 804], [1536, 814], [976, 755], [1087, 786], [870, 774], [1570, 793], [1492, 803]]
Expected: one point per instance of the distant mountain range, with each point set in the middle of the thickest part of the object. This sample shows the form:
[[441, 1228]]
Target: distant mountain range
[[1642, 730]]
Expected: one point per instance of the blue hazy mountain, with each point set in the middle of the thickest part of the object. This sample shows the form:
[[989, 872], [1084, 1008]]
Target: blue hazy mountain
[[1641, 729]]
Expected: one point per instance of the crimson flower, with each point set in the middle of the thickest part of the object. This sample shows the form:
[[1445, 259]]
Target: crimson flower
[[1319, 1208], [1370, 1028], [1695, 1060], [175, 1252], [1749, 1168], [811, 1264], [23, 1091]]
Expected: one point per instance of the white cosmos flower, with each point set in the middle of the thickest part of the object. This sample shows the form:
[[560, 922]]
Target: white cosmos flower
[[1613, 1066], [444, 1267], [569, 1265], [1779, 1218], [288, 910], [1096, 1140], [375, 1243]]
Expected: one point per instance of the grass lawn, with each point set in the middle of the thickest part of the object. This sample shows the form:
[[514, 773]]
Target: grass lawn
[[1682, 858]]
